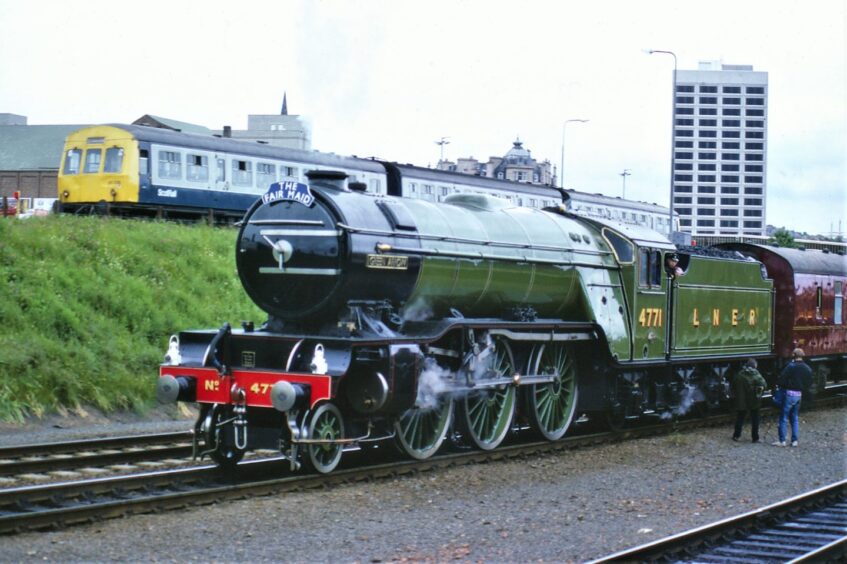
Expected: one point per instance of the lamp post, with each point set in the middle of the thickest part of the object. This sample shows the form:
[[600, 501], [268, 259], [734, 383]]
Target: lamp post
[[564, 128], [673, 124], [624, 174], [442, 142]]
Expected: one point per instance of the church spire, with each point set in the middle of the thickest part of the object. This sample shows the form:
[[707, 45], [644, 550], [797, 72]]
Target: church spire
[[284, 111]]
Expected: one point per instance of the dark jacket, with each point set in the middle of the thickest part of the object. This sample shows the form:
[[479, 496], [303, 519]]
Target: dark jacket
[[796, 376], [747, 389]]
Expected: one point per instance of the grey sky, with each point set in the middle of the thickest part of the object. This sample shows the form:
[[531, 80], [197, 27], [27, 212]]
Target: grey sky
[[389, 78]]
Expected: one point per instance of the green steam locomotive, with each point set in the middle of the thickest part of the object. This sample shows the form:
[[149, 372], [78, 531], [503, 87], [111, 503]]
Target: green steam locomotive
[[411, 321]]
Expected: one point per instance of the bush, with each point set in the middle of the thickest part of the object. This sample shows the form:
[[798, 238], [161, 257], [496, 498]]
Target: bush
[[88, 304]]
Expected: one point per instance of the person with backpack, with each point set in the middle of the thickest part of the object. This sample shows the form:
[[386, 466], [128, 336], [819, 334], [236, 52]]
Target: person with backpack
[[794, 378], [747, 389]]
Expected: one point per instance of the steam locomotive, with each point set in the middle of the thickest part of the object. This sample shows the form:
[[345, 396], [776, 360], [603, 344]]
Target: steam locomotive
[[408, 320]]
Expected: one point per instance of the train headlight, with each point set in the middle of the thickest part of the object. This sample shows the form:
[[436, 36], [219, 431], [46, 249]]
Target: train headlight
[[172, 357]]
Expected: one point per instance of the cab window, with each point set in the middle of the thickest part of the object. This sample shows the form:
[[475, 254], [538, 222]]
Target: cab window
[[72, 161], [92, 161], [622, 247], [649, 268], [114, 160]]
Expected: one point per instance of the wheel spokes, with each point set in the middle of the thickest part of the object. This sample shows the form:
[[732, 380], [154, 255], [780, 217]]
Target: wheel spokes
[[552, 405], [488, 412], [421, 431]]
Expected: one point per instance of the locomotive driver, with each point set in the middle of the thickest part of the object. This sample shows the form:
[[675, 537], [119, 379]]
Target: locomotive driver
[[671, 262]]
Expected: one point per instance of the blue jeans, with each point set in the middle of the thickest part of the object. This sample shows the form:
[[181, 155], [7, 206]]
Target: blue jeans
[[790, 409]]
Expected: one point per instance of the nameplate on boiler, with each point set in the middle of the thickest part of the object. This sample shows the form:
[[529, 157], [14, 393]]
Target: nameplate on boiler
[[388, 262]]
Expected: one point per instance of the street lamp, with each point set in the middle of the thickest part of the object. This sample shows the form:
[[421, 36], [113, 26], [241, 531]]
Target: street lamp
[[673, 124], [564, 127], [442, 142], [624, 174]]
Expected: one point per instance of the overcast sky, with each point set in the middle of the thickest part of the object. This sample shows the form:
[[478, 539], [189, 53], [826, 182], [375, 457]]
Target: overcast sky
[[389, 78]]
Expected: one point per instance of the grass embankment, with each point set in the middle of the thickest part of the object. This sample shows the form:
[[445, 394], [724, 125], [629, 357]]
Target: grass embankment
[[87, 306]]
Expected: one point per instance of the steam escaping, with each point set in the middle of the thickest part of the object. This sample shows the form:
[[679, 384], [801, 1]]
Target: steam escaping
[[418, 310], [433, 383], [436, 382], [689, 396]]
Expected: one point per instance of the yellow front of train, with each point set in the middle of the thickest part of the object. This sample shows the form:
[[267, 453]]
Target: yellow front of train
[[99, 166]]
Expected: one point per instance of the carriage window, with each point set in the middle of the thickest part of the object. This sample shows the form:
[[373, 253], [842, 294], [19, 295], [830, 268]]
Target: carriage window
[[242, 173], [265, 174], [72, 160], [170, 164], [221, 177], [839, 303], [622, 247], [92, 161], [114, 160], [288, 172], [143, 161], [197, 168]]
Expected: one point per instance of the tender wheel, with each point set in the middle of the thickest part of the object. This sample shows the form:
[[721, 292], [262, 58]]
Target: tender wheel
[[551, 406], [219, 435], [487, 413], [420, 431], [325, 424]]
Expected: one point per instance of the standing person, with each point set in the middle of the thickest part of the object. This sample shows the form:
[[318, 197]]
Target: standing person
[[747, 389], [794, 378]]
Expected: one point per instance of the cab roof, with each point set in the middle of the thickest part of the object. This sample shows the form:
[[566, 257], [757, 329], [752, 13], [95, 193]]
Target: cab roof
[[641, 236]]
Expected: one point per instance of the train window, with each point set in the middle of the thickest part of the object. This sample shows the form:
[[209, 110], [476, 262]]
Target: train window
[[197, 168], [170, 164], [92, 161], [288, 172], [143, 161], [622, 247], [643, 267], [72, 160], [265, 174], [114, 160], [655, 268], [838, 314], [221, 177], [242, 173]]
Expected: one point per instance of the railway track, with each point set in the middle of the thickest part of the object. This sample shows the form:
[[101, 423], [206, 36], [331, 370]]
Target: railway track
[[809, 527], [65, 456], [62, 504]]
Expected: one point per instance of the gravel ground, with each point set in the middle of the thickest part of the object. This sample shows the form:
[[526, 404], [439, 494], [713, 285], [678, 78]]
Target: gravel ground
[[566, 507]]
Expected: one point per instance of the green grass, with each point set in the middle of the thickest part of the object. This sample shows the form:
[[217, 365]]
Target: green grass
[[87, 306]]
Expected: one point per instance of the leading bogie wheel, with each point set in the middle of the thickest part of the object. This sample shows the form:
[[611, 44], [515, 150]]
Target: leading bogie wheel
[[486, 413], [219, 434], [325, 424], [551, 406], [420, 431]]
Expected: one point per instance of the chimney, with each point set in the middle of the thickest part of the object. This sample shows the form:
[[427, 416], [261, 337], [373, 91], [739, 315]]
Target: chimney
[[227, 131]]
